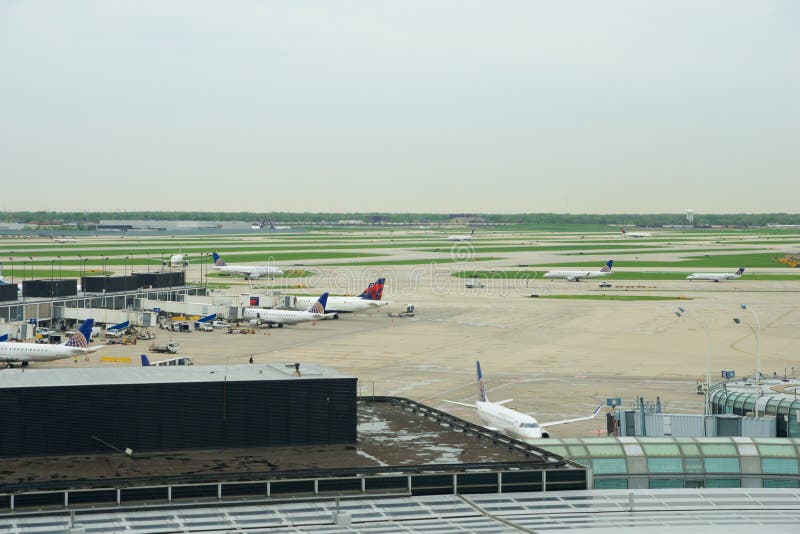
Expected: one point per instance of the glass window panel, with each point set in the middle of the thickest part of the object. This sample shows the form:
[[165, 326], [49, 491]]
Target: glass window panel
[[659, 483], [609, 466], [780, 483], [780, 451], [724, 483], [605, 450], [611, 483], [665, 465], [690, 449], [577, 450], [653, 449], [779, 466], [719, 449], [693, 465], [722, 465], [555, 449]]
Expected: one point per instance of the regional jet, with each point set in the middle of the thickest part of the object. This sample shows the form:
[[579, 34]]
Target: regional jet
[[577, 276], [24, 353], [512, 422], [275, 317], [369, 299], [635, 234], [63, 239], [716, 277], [461, 237], [248, 271]]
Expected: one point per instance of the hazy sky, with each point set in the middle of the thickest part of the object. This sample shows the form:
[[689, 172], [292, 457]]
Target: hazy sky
[[445, 106]]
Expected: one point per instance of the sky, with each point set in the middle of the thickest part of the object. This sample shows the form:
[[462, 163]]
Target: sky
[[444, 106]]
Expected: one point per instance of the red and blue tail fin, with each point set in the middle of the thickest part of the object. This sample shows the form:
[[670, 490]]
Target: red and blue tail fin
[[218, 261], [319, 306], [740, 271], [481, 387], [82, 336], [607, 267], [374, 290]]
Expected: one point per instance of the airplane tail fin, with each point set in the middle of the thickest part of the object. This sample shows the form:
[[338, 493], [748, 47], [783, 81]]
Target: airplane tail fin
[[473, 231], [607, 267], [481, 387], [218, 261], [740, 271], [145, 361], [3, 338], [82, 336], [622, 229], [319, 306], [374, 290]]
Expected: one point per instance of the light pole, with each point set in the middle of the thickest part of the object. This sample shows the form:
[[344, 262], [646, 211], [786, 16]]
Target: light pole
[[59, 268], [758, 357], [682, 312], [31, 258], [52, 266], [12, 267], [126, 266]]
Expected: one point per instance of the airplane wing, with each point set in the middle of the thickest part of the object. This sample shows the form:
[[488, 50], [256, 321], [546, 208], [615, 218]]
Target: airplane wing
[[575, 420], [461, 404]]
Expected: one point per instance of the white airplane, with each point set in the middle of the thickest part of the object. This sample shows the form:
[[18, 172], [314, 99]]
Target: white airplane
[[369, 299], [63, 239], [248, 271], [716, 277], [272, 317], [176, 260], [461, 237], [512, 422], [258, 225], [577, 276], [24, 353], [273, 227], [635, 234]]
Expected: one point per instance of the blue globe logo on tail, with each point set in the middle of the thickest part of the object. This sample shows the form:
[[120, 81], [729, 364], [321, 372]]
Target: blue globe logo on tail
[[81, 338], [319, 306]]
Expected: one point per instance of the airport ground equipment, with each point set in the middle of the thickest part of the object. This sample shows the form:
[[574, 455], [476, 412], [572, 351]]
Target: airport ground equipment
[[172, 347]]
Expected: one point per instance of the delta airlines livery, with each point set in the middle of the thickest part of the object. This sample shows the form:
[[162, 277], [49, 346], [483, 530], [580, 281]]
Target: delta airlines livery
[[24, 353], [369, 299], [577, 276], [510, 421], [716, 277], [272, 317], [461, 237], [248, 271], [635, 234]]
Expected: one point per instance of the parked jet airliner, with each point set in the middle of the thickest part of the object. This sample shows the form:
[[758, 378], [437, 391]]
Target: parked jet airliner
[[510, 421], [25, 353], [576, 276], [272, 316], [248, 271], [716, 277], [369, 299]]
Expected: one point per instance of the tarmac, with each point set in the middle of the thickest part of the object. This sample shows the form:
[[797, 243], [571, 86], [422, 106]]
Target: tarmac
[[555, 358]]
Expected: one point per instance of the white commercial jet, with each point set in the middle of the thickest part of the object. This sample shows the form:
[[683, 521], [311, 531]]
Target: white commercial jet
[[25, 353], [635, 234], [369, 299], [461, 237], [175, 261], [63, 239], [248, 271], [512, 422], [576, 276], [272, 317], [716, 277]]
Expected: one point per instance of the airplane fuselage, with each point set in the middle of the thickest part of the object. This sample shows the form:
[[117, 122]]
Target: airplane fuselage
[[270, 316], [250, 271], [341, 304], [712, 277], [510, 421], [36, 352], [576, 275]]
